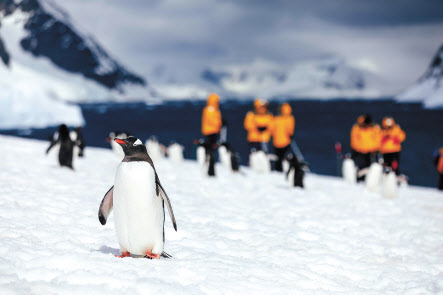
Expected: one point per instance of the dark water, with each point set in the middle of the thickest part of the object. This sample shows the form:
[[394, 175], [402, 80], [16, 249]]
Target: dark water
[[319, 124]]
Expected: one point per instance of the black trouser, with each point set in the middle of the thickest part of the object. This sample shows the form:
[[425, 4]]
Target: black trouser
[[362, 161], [210, 147], [392, 160], [440, 182], [280, 153]]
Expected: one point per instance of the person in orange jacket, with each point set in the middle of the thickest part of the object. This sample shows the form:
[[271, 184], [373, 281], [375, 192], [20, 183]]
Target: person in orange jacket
[[258, 124], [391, 137], [211, 126], [365, 142], [438, 161], [282, 132]]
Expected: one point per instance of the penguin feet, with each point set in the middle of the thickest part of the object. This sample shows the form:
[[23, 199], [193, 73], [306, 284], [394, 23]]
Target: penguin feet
[[124, 254], [151, 255]]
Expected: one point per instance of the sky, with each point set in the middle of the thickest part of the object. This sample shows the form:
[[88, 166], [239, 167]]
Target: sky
[[171, 41]]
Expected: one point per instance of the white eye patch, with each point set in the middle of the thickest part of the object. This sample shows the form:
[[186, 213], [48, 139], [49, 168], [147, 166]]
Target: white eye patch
[[137, 142]]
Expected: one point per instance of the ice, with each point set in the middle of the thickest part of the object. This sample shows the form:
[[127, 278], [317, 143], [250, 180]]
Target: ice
[[246, 233]]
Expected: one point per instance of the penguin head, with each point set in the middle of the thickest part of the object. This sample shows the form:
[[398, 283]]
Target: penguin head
[[131, 145]]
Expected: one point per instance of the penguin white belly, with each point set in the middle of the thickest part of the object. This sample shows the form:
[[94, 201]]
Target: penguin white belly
[[390, 187], [373, 177], [262, 164], [291, 177], [201, 156], [349, 171], [138, 212], [175, 152], [225, 157]]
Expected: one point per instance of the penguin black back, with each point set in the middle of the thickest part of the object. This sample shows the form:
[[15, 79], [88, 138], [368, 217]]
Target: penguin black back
[[66, 146]]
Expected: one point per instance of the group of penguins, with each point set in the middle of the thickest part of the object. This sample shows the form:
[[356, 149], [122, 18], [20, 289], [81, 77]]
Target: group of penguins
[[259, 162], [376, 177], [155, 149]]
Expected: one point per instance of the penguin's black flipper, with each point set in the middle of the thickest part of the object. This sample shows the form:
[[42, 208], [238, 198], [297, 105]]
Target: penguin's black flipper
[[106, 206], [168, 203]]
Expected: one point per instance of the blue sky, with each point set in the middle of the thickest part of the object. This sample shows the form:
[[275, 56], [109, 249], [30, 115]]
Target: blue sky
[[175, 40]]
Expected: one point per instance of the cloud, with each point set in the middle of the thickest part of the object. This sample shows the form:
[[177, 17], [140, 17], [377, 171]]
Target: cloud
[[396, 39]]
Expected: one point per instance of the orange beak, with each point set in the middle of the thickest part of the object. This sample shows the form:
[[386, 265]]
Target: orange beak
[[119, 141]]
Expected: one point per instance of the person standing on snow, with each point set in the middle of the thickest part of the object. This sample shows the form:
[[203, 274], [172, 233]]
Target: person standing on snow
[[211, 126], [391, 137], [282, 132], [438, 161], [365, 142], [258, 124]]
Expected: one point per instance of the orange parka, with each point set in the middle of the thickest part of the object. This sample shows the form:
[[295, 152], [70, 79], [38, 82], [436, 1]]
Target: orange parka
[[258, 124], [391, 139], [283, 127], [440, 162], [365, 139], [211, 117]]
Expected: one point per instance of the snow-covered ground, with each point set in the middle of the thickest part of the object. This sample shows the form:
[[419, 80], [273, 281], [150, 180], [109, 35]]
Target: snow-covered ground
[[237, 234]]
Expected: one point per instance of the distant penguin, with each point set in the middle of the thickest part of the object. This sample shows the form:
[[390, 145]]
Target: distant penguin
[[79, 141], [201, 152], [389, 185], [285, 165], [117, 149], [259, 162], [349, 170], [228, 158], [175, 152], [225, 156], [295, 173], [373, 177], [202, 158], [154, 149], [138, 199], [63, 139]]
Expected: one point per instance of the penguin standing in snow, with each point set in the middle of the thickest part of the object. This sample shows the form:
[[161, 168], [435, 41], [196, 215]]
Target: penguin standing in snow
[[66, 146], [138, 199]]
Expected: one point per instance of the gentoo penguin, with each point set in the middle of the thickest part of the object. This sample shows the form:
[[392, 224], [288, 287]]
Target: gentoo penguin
[[349, 170], [79, 141], [155, 149], [228, 158], [175, 152], [66, 146], [202, 158], [224, 156], [389, 184], [295, 173], [259, 162], [373, 177], [138, 199]]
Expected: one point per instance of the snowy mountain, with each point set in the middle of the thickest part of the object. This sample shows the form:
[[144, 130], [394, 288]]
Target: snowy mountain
[[49, 33], [46, 61], [429, 88], [237, 234], [322, 78]]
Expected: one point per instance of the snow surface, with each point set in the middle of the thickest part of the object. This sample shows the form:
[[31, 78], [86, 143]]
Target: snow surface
[[237, 234]]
